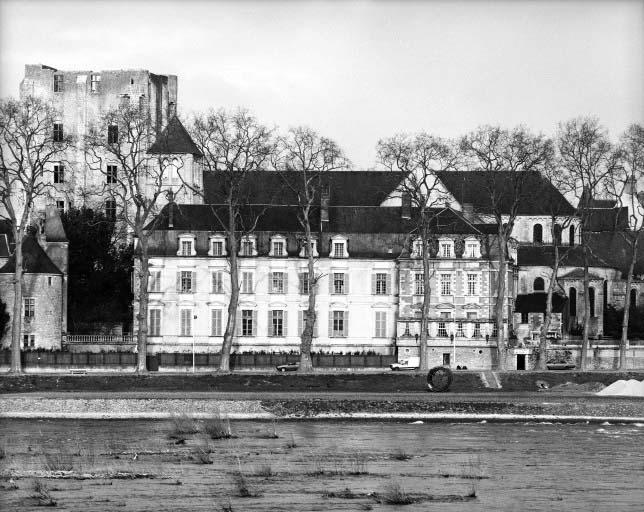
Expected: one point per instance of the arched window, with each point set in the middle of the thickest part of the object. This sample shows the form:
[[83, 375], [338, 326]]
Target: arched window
[[557, 234], [571, 235], [633, 298], [537, 233], [572, 301], [539, 285], [591, 301]]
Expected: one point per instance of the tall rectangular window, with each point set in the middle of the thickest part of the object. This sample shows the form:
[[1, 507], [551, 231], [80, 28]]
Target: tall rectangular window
[[59, 173], [460, 333], [110, 209], [29, 307], [112, 134], [442, 325], [381, 324], [186, 322], [154, 284], [471, 249], [217, 248], [304, 283], [186, 247], [446, 249], [446, 284], [277, 282], [60, 204], [218, 282], [471, 284], [338, 283], [247, 322], [338, 249], [381, 283], [278, 248], [419, 283], [95, 82], [29, 340], [277, 323], [338, 324], [247, 282], [247, 248], [185, 283], [58, 132], [154, 325], [58, 83], [110, 176], [216, 326]]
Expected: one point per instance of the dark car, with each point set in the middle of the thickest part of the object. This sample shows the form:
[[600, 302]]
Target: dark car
[[290, 367]]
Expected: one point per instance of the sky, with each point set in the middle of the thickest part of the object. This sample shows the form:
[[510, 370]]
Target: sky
[[355, 71]]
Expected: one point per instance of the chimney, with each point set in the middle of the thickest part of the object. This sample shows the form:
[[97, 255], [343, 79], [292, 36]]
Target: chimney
[[405, 209], [172, 110], [170, 209], [325, 199], [468, 211]]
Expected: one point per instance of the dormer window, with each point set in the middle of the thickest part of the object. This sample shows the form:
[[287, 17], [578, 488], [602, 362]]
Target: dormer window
[[304, 250], [248, 246], [186, 245], [217, 246], [446, 249], [278, 247], [417, 248], [339, 247], [472, 249]]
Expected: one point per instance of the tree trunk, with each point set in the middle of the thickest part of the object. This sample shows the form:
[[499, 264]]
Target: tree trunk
[[623, 344], [427, 292], [500, 304], [16, 321], [584, 342], [543, 340], [231, 324], [142, 315], [306, 365]]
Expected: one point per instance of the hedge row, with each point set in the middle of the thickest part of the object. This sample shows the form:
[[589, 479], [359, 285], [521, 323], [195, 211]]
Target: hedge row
[[89, 359]]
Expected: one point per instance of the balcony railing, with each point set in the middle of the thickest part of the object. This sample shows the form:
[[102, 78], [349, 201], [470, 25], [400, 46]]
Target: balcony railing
[[98, 339]]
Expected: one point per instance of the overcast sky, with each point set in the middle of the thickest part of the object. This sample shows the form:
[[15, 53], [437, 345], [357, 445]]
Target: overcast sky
[[355, 71]]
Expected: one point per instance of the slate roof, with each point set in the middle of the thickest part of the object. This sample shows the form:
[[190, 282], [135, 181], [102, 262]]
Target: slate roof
[[606, 219], [578, 273], [347, 188], [536, 303], [35, 260], [540, 197], [174, 139]]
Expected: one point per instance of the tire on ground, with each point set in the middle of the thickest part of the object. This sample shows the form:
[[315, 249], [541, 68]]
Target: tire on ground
[[439, 379]]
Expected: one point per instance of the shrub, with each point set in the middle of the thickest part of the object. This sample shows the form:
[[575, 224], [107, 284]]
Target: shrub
[[182, 425], [41, 493], [395, 495], [218, 428]]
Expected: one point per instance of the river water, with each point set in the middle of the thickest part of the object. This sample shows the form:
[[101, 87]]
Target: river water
[[440, 466]]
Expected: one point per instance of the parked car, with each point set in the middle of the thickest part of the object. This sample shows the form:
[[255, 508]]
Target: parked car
[[290, 367], [411, 363]]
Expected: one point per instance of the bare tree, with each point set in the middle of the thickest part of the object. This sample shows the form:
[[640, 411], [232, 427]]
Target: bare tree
[[233, 145], [626, 185], [134, 181], [30, 140], [507, 158], [587, 159], [304, 160], [418, 159]]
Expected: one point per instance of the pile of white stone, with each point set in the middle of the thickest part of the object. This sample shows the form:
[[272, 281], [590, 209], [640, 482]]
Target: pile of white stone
[[630, 387]]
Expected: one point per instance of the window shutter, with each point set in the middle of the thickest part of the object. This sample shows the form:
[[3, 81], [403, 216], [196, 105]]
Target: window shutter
[[375, 324], [345, 331], [178, 281], [269, 323], [331, 283], [194, 282], [254, 323], [238, 330], [374, 278], [285, 324], [270, 282], [389, 291], [285, 282], [346, 283], [331, 324], [301, 276], [300, 322]]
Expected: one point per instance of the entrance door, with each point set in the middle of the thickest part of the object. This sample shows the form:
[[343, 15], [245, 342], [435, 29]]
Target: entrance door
[[446, 359], [520, 361]]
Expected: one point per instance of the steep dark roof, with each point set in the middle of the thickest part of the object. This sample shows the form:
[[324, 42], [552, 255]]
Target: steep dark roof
[[35, 260], [540, 197], [347, 188], [174, 139], [578, 273], [536, 303], [602, 203], [606, 219]]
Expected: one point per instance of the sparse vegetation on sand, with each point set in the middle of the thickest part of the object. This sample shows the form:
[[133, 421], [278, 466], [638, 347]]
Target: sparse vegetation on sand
[[218, 428], [42, 495]]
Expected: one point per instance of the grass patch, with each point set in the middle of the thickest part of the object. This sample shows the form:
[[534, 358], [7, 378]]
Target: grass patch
[[201, 454], [42, 495], [183, 425], [218, 428], [271, 433], [290, 444], [358, 465], [400, 454], [346, 494], [227, 507], [265, 471], [58, 461], [243, 488], [394, 494]]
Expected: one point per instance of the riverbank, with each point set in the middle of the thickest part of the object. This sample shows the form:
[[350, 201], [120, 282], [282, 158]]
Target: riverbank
[[356, 382]]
